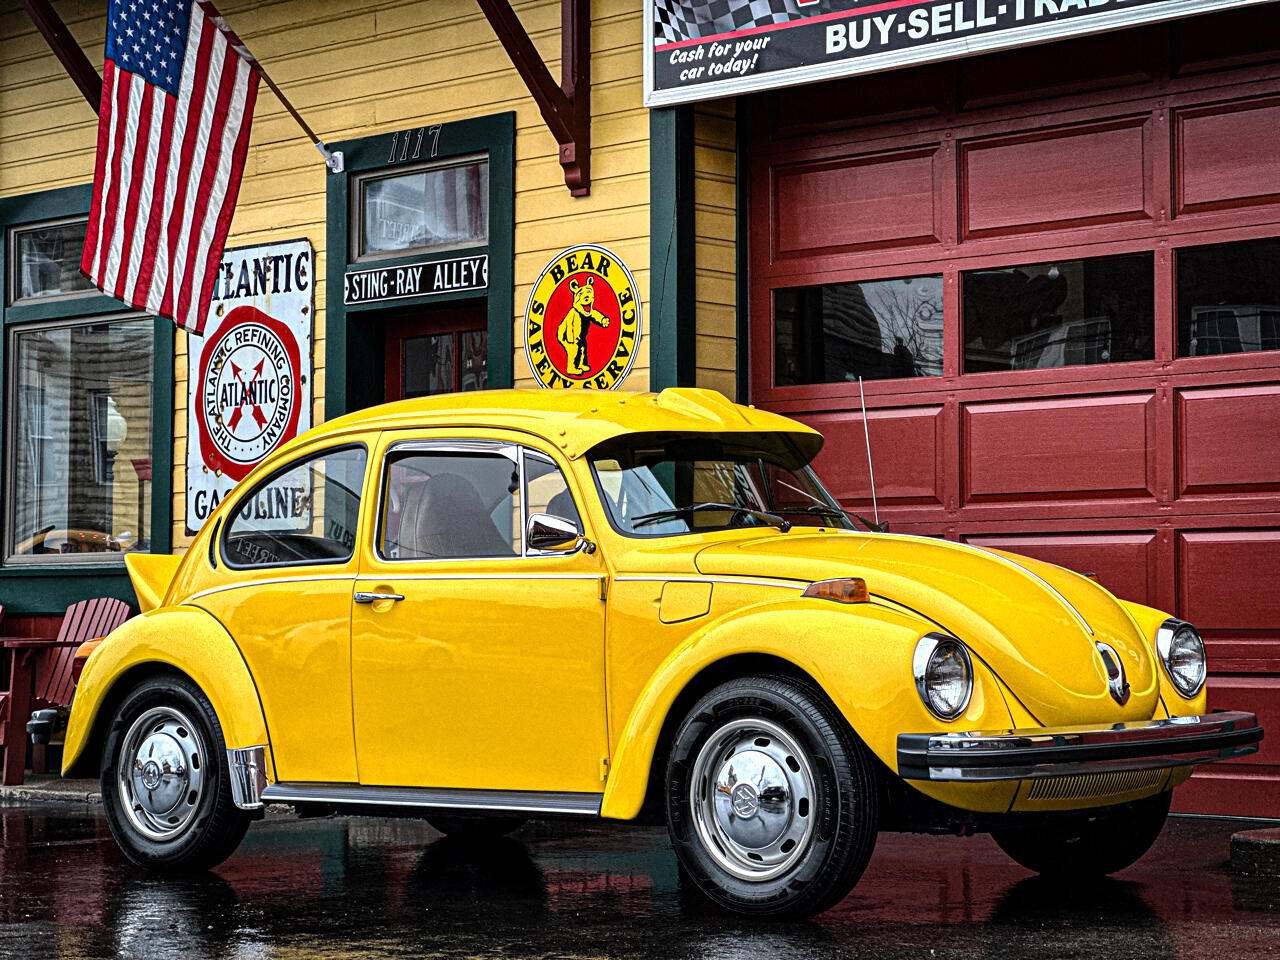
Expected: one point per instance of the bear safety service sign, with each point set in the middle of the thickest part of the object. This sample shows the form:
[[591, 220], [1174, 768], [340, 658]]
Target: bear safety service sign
[[249, 376], [582, 324]]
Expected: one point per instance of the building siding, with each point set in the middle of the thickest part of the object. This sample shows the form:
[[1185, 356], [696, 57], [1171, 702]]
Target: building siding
[[715, 226], [355, 73]]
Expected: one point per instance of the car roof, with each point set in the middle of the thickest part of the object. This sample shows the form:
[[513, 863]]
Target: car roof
[[574, 420]]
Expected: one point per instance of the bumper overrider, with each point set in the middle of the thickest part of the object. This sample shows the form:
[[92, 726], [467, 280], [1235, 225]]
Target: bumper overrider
[[1063, 751]]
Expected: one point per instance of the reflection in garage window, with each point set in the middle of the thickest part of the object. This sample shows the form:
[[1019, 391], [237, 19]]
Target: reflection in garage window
[[1061, 314], [876, 329], [1229, 298]]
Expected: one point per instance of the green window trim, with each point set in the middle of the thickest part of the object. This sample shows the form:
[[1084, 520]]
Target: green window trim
[[673, 356], [32, 589], [352, 363]]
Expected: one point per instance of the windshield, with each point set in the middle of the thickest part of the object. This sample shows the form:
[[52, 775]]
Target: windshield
[[662, 485]]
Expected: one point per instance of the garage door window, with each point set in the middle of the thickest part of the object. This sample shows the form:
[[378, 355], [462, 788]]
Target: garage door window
[[1229, 298], [1060, 314], [875, 329]]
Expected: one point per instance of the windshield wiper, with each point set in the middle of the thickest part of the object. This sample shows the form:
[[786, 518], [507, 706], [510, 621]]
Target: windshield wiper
[[817, 509], [671, 513]]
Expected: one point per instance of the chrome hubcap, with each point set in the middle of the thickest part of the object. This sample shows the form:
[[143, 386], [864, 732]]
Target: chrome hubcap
[[752, 798], [161, 775]]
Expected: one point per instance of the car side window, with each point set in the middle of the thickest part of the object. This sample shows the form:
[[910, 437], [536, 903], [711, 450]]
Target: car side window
[[305, 513], [439, 505], [546, 490]]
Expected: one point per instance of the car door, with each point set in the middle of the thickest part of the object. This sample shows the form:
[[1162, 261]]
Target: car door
[[284, 566], [477, 664]]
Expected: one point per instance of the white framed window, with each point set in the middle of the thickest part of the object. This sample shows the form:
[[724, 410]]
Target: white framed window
[[441, 206], [44, 261]]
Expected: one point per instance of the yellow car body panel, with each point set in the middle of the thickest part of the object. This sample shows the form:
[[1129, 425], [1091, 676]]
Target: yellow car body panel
[[183, 638], [559, 673], [502, 660], [862, 662]]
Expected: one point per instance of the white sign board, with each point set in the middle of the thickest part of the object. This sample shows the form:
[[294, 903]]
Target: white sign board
[[698, 49], [249, 376]]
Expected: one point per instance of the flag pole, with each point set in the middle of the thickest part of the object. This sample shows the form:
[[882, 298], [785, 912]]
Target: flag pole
[[333, 159]]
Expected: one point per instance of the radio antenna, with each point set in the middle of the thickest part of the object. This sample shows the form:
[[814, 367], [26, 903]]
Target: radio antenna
[[875, 509]]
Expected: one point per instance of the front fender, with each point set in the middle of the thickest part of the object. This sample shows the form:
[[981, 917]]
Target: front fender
[[183, 638], [859, 654], [1148, 621]]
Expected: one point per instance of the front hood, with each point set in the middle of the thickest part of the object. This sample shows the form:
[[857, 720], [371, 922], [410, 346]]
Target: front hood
[[1034, 624]]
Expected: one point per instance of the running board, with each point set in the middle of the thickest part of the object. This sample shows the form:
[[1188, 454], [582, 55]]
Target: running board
[[513, 801]]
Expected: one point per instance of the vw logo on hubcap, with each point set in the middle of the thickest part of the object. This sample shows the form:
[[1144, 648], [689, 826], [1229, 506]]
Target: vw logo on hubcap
[[745, 800], [151, 774]]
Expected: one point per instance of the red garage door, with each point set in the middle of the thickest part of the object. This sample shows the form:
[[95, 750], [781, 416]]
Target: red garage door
[[1059, 272]]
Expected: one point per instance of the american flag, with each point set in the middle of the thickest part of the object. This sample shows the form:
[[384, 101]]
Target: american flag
[[177, 99]]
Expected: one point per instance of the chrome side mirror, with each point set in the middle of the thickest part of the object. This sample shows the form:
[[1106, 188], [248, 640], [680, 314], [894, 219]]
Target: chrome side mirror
[[548, 534]]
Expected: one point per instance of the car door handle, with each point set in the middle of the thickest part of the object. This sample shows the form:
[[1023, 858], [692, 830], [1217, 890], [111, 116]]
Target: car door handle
[[362, 597]]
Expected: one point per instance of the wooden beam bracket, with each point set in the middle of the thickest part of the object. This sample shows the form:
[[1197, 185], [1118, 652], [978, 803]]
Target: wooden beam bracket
[[565, 108], [59, 38]]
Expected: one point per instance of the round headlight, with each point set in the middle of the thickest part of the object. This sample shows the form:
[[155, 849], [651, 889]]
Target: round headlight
[[944, 675], [1182, 651]]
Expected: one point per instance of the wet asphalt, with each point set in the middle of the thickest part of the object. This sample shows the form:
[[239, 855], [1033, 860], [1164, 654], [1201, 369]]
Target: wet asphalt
[[361, 888]]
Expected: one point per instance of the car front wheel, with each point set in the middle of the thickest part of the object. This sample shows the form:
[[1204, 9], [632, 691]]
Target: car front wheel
[[166, 787], [771, 798], [1092, 845]]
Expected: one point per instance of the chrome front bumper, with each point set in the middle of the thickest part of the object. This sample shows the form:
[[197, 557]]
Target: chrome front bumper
[[1063, 751]]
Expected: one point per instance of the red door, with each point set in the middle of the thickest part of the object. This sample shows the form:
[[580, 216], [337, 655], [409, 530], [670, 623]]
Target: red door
[[1058, 272], [441, 350]]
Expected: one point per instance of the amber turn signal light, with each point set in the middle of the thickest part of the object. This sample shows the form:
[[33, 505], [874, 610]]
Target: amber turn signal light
[[851, 590]]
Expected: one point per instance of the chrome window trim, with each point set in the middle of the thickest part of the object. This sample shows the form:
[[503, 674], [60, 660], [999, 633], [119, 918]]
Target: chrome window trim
[[513, 451], [463, 445], [225, 528]]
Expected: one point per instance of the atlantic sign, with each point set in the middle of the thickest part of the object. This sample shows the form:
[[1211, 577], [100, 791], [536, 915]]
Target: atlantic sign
[[698, 49], [249, 376]]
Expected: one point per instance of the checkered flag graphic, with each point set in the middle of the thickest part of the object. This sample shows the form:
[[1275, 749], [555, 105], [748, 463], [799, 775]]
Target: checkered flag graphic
[[690, 19]]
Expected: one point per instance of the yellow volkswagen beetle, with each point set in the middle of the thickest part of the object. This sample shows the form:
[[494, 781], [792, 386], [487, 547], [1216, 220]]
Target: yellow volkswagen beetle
[[493, 606]]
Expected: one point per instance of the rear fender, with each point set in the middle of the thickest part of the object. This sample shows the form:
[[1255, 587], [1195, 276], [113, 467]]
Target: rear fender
[[859, 654], [184, 639]]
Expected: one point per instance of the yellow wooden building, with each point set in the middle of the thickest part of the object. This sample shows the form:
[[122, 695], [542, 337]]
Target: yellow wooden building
[[412, 94]]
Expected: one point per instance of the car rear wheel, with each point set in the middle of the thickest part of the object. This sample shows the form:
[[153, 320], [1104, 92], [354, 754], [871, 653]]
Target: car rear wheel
[[166, 787], [771, 798], [1088, 846]]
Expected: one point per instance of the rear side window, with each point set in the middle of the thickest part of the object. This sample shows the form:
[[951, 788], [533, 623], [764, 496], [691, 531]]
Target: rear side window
[[305, 513]]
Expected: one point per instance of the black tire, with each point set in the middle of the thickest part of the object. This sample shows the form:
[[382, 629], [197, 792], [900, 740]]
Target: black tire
[[1088, 846], [743, 725], [207, 830], [476, 826]]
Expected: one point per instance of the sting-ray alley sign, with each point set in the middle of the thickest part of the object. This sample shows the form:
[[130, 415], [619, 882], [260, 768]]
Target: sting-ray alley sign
[[249, 376]]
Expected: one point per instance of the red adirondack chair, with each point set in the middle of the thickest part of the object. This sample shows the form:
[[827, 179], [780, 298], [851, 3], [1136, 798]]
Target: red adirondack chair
[[39, 675]]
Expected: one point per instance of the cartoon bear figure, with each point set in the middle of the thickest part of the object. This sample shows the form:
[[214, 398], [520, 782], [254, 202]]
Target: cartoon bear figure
[[572, 332]]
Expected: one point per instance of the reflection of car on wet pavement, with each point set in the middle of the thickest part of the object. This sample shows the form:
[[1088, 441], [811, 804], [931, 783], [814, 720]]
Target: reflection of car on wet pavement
[[493, 606]]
